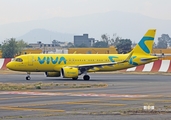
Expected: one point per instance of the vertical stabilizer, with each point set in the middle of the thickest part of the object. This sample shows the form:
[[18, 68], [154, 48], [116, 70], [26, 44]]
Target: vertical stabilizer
[[146, 43]]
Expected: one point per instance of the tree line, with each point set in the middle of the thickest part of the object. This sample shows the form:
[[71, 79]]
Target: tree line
[[12, 47], [122, 45]]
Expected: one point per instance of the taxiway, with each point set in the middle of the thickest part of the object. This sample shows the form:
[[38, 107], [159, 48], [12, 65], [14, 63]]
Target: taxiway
[[123, 93]]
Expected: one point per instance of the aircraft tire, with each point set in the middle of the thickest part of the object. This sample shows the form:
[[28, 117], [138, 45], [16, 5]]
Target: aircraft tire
[[86, 77], [28, 78], [75, 78]]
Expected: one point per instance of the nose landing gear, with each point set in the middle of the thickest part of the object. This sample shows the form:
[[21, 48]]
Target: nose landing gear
[[28, 76]]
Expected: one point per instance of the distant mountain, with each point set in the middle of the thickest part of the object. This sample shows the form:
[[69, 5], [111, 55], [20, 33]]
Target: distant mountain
[[126, 25], [45, 36]]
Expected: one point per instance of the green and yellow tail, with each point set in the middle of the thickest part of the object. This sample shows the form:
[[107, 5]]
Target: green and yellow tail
[[146, 43]]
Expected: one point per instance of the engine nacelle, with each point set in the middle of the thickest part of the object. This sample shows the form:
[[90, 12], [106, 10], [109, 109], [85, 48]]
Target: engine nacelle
[[69, 72], [53, 74]]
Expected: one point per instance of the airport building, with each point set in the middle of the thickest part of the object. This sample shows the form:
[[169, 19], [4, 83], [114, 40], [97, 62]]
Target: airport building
[[49, 48], [83, 40]]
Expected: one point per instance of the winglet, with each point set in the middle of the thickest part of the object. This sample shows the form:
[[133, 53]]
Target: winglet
[[128, 58]]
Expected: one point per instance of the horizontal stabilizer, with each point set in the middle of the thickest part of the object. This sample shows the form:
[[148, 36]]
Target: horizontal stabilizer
[[152, 58]]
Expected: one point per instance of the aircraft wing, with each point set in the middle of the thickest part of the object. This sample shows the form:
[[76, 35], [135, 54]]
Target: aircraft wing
[[89, 66], [98, 64]]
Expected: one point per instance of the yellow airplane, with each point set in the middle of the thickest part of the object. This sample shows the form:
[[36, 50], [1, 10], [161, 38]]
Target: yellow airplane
[[73, 65]]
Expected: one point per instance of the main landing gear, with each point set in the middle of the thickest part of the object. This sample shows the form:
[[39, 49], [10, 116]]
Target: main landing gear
[[28, 76], [75, 78], [84, 71], [86, 77]]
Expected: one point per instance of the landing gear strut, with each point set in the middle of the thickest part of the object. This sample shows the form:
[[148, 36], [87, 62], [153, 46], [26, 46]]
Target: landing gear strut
[[86, 77], [28, 76]]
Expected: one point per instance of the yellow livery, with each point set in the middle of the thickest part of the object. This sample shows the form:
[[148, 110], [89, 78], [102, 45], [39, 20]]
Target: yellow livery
[[73, 65]]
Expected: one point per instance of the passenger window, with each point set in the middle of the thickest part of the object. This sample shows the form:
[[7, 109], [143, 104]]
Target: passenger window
[[18, 60]]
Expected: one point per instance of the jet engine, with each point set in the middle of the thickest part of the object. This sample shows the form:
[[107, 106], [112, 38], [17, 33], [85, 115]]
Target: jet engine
[[69, 72], [53, 74]]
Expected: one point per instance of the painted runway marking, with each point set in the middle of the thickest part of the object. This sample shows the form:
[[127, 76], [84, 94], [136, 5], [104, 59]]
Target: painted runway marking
[[18, 97], [74, 94], [99, 104], [80, 102], [30, 109]]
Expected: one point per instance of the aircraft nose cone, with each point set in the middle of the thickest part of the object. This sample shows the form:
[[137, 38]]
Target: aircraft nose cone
[[9, 66]]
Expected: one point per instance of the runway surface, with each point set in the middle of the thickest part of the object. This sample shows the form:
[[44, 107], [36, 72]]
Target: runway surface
[[122, 95]]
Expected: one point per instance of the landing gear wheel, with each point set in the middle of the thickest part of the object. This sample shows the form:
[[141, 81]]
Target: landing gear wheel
[[86, 77], [75, 78], [28, 78]]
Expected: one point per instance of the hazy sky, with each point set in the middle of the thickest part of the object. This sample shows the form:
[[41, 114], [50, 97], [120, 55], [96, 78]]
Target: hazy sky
[[25, 10]]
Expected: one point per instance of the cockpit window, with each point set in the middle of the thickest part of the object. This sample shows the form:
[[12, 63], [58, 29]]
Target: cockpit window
[[13, 59], [19, 60]]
